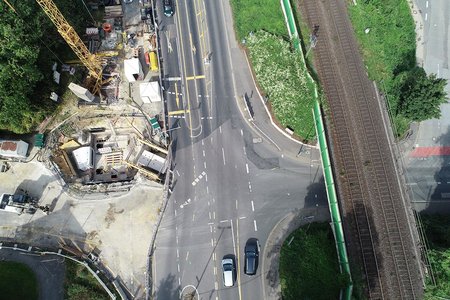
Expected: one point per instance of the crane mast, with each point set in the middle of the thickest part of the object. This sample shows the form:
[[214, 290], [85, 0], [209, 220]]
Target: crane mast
[[89, 60]]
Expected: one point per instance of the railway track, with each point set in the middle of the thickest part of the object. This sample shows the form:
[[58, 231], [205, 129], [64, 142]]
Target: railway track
[[368, 184]]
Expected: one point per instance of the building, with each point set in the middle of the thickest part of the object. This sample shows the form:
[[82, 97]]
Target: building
[[13, 149]]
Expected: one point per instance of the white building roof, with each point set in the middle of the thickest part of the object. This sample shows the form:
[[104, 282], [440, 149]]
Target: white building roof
[[16, 149], [84, 158], [132, 69], [150, 92], [152, 161]]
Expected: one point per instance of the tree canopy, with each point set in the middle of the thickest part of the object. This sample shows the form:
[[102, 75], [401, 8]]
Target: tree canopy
[[420, 96], [29, 44]]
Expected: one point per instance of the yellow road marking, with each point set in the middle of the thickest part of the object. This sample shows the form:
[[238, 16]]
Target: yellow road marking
[[178, 112], [238, 260], [177, 99], [195, 77]]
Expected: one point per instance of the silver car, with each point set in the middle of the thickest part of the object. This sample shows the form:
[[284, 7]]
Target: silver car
[[228, 271]]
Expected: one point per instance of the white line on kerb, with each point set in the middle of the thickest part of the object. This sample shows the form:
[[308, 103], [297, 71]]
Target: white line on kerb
[[223, 155], [253, 206], [246, 166], [254, 223]]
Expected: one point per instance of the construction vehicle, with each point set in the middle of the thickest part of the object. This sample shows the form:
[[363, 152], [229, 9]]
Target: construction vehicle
[[89, 60], [18, 203]]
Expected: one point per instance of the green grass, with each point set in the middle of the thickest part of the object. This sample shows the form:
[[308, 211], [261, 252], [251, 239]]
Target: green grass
[[81, 285], [389, 47], [254, 15], [309, 265], [282, 76], [17, 282], [437, 231]]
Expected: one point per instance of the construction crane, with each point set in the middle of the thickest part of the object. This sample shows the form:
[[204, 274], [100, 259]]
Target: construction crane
[[89, 60]]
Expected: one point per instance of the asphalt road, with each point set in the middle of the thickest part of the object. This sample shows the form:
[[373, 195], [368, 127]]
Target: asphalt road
[[228, 186]]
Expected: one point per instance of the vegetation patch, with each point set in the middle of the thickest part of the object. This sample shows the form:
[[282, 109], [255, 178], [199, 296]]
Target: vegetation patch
[[81, 285], [385, 30], [254, 15], [437, 231], [17, 282], [283, 78], [309, 266]]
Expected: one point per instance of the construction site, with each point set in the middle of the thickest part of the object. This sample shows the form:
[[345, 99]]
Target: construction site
[[112, 128]]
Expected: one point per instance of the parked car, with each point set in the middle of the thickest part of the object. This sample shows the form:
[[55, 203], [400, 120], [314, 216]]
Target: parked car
[[251, 251], [228, 271], [168, 8]]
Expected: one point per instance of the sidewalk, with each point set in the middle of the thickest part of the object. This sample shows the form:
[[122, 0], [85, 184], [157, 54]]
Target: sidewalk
[[271, 253]]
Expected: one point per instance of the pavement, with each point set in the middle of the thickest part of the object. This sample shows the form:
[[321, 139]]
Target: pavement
[[427, 174], [49, 270]]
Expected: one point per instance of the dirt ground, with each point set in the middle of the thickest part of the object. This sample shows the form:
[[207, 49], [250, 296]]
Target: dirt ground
[[119, 225]]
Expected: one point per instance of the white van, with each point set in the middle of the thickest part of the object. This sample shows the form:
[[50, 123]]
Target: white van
[[228, 271]]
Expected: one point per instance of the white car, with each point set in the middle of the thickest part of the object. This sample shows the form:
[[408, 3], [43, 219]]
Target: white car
[[228, 271]]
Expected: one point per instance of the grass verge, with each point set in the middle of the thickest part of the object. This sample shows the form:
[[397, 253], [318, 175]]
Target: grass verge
[[81, 285], [279, 71], [309, 266], [17, 282], [282, 75], [385, 31]]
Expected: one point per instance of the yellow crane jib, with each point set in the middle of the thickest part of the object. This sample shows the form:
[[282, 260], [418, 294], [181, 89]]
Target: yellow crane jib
[[89, 60]]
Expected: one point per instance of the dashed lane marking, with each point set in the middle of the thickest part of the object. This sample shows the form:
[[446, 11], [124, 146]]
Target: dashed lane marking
[[254, 223], [253, 206]]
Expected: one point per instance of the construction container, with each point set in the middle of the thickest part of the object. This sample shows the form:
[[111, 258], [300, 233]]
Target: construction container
[[153, 61]]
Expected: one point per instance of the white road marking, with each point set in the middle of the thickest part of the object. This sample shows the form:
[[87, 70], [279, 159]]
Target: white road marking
[[216, 287], [223, 155], [254, 223], [214, 200], [223, 221], [220, 128], [175, 212], [206, 177], [250, 186], [245, 152], [207, 190], [193, 217], [214, 256], [178, 253], [179, 281], [214, 215], [203, 173], [242, 132], [253, 206], [246, 166], [187, 255], [178, 173], [241, 218], [215, 270], [210, 227], [236, 204], [176, 238], [203, 143], [426, 16], [209, 215], [212, 243], [203, 153], [194, 183], [178, 267], [209, 203], [427, 4]]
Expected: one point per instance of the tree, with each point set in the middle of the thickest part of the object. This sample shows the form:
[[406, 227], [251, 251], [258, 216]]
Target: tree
[[420, 96]]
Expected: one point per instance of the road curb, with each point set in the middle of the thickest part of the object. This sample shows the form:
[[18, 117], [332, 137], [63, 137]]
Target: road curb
[[271, 253]]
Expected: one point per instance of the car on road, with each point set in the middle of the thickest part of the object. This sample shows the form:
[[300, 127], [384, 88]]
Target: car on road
[[168, 8], [251, 252], [228, 271]]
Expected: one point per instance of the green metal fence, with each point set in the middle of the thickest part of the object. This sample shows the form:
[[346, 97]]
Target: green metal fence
[[333, 204]]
